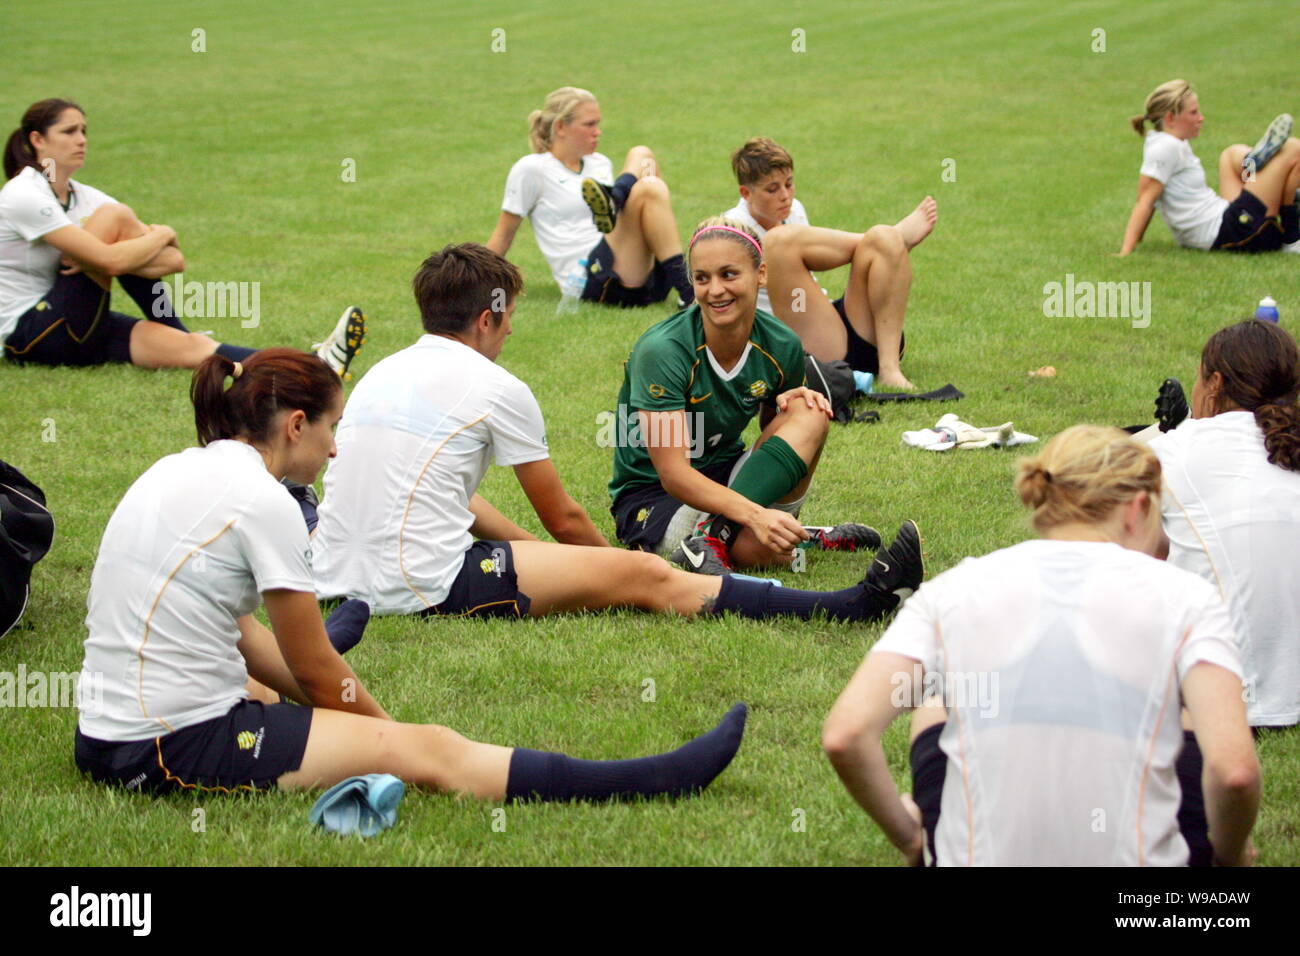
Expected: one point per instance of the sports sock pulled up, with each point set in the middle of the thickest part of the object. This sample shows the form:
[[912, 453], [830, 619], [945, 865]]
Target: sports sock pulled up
[[236, 353], [157, 307], [770, 472], [751, 598], [347, 624], [537, 775]]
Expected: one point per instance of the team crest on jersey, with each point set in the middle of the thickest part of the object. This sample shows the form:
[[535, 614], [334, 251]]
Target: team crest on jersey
[[758, 389], [658, 391]]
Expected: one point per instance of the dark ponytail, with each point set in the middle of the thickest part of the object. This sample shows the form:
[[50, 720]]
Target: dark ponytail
[[38, 119], [263, 385], [1260, 366]]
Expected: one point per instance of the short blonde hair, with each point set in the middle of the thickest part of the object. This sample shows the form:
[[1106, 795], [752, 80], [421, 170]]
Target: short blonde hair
[[1083, 474], [1165, 98], [560, 106]]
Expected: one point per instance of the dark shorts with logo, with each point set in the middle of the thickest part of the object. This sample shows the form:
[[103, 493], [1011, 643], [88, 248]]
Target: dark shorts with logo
[[643, 533], [605, 287], [862, 355], [487, 585], [1247, 226], [71, 325], [247, 748], [930, 766]]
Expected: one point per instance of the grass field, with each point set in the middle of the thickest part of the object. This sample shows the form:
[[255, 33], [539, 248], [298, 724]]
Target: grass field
[[241, 148]]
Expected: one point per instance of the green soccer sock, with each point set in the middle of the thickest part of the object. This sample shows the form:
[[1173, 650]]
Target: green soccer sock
[[770, 472]]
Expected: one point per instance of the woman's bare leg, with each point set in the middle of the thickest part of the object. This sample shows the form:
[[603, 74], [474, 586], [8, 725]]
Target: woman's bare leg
[[646, 229], [566, 577], [1274, 185], [875, 301], [918, 223], [154, 345], [342, 745]]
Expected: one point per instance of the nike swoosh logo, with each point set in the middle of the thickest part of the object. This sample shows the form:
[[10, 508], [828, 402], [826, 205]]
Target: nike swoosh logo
[[696, 401], [696, 559], [884, 566]]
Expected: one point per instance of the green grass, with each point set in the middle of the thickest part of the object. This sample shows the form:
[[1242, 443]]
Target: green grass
[[240, 149]]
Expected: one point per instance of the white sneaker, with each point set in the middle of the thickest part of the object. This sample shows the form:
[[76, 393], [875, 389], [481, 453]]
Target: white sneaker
[[344, 342], [1291, 247]]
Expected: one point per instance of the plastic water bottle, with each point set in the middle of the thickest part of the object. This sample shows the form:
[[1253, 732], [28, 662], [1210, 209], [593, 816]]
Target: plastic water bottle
[[571, 291], [1267, 309]]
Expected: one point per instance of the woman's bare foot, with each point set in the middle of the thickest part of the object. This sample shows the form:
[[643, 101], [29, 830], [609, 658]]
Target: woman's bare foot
[[919, 223], [893, 380]]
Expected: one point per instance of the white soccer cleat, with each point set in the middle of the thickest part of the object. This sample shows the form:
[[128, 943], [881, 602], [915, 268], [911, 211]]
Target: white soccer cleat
[[344, 342]]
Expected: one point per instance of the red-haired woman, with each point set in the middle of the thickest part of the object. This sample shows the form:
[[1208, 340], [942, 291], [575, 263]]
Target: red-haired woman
[[60, 316], [189, 680]]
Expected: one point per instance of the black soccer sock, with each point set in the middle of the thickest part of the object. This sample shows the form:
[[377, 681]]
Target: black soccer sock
[[537, 775], [156, 306], [621, 188], [676, 268], [1290, 223], [761, 599], [236, 353], [347, 624]]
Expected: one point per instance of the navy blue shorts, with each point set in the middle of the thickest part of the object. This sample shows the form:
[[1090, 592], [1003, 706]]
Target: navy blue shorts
[[862, 355], [930, 766], [71, 325], [487, 585], [641, 515], [1247, 226], [605, 287], [248, 748]]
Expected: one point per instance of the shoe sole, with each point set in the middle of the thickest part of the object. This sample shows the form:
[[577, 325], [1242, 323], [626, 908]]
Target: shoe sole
[[354, 336], [1170, 401], [601, 209], [1279, 131]]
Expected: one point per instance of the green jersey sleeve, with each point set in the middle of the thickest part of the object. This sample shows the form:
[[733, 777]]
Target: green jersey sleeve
[[658, 374]]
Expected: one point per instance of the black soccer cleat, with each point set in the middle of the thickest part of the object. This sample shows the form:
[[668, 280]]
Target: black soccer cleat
[[1171, 405], [600, 200], [894, 575], [844, 537]]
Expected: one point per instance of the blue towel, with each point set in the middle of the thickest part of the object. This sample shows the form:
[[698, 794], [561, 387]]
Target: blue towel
[[361, 805]]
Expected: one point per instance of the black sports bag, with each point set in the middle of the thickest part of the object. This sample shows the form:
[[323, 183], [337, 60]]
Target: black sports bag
[[26, 532]]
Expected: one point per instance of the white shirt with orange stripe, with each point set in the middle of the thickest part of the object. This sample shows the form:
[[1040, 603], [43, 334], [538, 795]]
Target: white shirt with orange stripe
[[1060, 664], [417, 436], [192, 545]]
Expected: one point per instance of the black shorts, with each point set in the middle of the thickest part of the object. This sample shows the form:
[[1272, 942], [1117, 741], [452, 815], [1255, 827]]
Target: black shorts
[[641, 515], [71, 325], [930, 766], [862, 355], [1247, 226], [248, 748], [605, 287], [487, 585]]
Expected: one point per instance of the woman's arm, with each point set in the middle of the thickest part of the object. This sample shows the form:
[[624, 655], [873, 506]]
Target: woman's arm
[[666, 436], [325, 678], [504, 234], [1149, 191], [264, 661], [111, 259], [1231, 779], [852, 741]]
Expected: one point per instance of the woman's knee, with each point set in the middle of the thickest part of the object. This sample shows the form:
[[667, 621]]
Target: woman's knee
[[883, 240], [782, 241], [649, 188], [798, 421], [641, 160]]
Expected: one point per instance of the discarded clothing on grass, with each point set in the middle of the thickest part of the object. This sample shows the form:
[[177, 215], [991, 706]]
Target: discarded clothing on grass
[[949, 393], [951, 432], [361, 805]]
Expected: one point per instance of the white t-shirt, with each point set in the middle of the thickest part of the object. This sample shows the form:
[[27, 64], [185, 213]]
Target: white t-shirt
[[1234, 520], [189, 549], [1191, 209], [740, 212], [28, 266], [549, 194], [1062, 664], [418, 433]]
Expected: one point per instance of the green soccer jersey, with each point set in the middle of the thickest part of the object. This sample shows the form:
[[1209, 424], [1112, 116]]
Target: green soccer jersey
[[671, 369]]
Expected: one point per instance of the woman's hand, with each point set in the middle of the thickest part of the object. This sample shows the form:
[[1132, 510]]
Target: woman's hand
[[914, 851], [168, 230], [815, 399], [777, 530], [70, 266]]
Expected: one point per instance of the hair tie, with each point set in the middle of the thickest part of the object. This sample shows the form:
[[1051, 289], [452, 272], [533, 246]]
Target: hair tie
[[237, 371], [744, 235]]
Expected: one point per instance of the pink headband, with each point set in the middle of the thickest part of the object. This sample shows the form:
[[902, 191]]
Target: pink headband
[[748, 238]]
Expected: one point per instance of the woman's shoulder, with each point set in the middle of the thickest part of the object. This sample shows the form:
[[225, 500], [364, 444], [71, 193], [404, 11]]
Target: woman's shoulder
[[679, 332]]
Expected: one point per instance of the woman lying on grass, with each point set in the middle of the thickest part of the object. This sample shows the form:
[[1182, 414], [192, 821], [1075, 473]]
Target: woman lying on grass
[[1046, 681], [1255, 209], [60, 316], [191, 682]]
